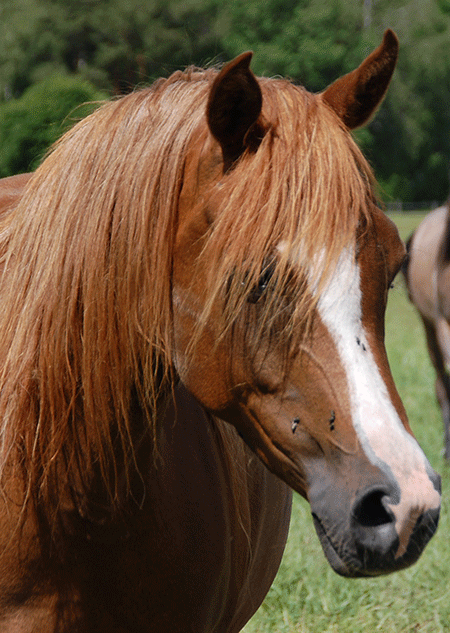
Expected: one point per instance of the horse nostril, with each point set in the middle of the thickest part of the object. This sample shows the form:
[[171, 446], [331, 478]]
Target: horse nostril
[[373, 527], [371, 511]]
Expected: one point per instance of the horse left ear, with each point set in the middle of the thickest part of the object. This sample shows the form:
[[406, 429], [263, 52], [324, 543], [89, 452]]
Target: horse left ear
[[234, 105], [356, 96]]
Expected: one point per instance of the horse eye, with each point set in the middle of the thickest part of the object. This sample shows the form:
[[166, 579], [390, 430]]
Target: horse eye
[[259, 289]]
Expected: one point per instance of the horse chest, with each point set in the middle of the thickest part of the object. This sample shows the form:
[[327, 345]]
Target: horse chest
[[189, 553]]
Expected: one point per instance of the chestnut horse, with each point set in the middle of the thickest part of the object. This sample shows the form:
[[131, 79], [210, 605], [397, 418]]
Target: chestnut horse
[[427, 275], [195, 263]]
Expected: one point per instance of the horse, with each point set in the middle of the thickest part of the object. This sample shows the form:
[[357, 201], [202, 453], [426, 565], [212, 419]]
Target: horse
[[427, 276], [192, 309]]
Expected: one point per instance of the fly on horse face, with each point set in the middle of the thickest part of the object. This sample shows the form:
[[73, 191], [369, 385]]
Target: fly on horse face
[[427, 277], [192, 316]]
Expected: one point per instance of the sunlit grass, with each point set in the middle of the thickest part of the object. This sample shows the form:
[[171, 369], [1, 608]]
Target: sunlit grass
[[307, 596]]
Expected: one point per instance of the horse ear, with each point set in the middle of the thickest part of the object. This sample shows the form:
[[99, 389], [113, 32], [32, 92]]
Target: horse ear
[[234, 105], [356, 96]]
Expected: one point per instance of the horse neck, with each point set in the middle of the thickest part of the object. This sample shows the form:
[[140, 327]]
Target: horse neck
[[85, 498], [132, 464]]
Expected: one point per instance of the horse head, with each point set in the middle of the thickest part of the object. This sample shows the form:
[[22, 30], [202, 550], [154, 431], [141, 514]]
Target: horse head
[[281, 271]]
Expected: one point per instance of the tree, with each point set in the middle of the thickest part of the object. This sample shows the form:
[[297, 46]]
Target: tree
[[314, 42], [30, 124], [114, 43], [118, 44], [411, 140]]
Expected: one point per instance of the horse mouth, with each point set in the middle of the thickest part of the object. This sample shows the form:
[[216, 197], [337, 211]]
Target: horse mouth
[[352, 561], [338, 564]]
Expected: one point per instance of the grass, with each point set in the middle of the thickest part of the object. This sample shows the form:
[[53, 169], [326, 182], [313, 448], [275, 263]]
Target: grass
[[307, 596]]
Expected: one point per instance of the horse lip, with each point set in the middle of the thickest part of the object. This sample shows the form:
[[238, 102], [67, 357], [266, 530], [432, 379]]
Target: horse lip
[[333, 558], [424, 529], [337, 563]]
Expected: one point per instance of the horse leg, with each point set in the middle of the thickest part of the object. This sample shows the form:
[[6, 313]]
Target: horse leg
[[438, 341], [442, 394]]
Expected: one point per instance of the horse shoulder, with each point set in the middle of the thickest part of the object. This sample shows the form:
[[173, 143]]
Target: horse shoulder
[[206, 514]]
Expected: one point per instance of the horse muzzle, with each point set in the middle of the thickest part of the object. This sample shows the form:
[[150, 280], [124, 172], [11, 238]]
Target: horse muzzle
[[374, 541]]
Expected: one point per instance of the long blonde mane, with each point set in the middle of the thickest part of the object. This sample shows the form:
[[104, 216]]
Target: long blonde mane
[[86, 308]]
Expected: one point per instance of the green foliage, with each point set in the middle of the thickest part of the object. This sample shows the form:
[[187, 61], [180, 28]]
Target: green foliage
[[119, 44], [312, 42], [115, 43], [29, 125], [307, 596], [412, 135]]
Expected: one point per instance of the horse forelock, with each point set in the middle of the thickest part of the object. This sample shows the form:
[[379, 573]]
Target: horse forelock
[[86, 313], [304, 196]]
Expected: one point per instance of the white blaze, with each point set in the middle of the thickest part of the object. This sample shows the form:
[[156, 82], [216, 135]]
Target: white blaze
[[379, 428]]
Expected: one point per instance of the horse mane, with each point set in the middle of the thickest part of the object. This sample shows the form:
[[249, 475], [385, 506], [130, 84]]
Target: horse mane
[[87, 311]]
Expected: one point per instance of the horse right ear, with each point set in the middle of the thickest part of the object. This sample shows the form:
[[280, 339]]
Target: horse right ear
[[234, 106], [356, 96]]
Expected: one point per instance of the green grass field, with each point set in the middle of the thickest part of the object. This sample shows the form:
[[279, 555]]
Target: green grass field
[[307, 596]]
